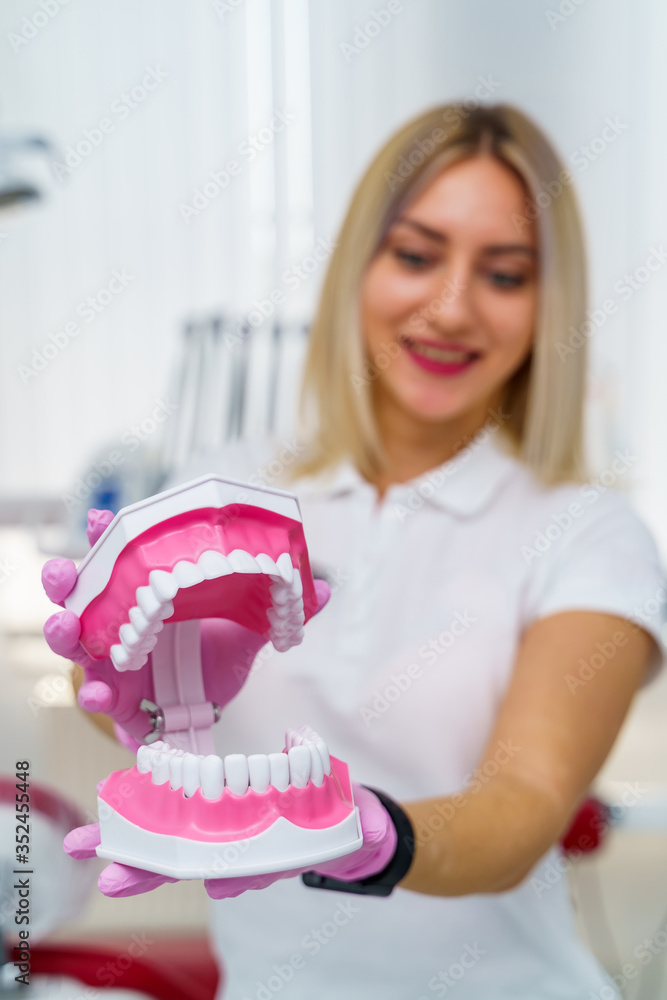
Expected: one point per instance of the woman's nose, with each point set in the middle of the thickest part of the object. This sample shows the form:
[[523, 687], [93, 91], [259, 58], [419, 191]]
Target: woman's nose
[[447, 306]]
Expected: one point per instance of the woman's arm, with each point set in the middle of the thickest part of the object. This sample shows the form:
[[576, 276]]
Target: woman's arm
[[551, 737]]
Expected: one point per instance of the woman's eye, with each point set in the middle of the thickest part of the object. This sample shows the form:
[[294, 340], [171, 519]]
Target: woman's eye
[[503, 280], [410, 259]]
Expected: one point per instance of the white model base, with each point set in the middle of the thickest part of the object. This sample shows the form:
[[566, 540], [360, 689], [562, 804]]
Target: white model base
[[280, 847]]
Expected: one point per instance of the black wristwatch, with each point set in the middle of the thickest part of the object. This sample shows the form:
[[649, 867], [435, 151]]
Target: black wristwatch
[[383, 883]]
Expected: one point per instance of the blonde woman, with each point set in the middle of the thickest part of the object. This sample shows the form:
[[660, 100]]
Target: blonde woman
[[493, 611]]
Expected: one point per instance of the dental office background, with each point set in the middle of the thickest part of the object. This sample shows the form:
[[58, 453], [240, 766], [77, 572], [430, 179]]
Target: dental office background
[[172, 177]]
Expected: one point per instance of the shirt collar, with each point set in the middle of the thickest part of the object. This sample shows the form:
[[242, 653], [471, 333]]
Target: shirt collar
[[462, 485]]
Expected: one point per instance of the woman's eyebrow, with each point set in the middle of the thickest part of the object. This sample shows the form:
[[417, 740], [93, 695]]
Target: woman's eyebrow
[[488, 251], [510, 248]]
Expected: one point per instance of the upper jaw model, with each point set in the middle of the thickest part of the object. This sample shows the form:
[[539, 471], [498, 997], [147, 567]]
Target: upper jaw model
[[161, 566]]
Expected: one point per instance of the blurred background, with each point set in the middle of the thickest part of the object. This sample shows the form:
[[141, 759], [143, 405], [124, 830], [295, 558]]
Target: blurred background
[[172, 178]]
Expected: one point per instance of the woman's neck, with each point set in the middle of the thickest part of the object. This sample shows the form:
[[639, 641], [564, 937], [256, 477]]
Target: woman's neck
[[413, 448]]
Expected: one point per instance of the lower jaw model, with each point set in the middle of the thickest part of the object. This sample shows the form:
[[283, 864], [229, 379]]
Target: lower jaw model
[[160, 567]]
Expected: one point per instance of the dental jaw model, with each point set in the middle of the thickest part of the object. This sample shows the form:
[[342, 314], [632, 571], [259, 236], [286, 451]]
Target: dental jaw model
[[161, 566]]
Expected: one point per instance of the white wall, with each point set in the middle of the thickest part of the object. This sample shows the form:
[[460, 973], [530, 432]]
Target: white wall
[[229, 65]]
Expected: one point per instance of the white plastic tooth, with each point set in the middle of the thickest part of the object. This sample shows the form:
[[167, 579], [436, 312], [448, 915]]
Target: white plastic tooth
[[187, 574], [266, 563], [144, 755], [285, 567], [190, 774], [281, 643], [212, 777], [298, 614], [236, 773], [149, 603], [324, 754], [166, 611], [279, 771], [120, 658], [316, 765], [213, 565], [160, 767], [176, 770], [293, 738], [259, 772], [129, 637], [145, 645], [299, 766], [280, 593], [297, 584], [314, 740], [242, 562], [163, 585], [278, 616], [140, 621]]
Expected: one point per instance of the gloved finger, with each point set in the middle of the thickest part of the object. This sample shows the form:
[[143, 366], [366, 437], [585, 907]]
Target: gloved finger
[[227, 888], [58, 578], [323, 591], [98, 522], [81, 842], [122, 880], [376, 823], [95, 695], [62, 631]]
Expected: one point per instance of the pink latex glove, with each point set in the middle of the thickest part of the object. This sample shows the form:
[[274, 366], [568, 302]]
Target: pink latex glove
[[377, 850], [119, 695]]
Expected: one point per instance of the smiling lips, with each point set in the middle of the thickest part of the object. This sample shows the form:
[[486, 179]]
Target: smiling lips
[[438, 358]]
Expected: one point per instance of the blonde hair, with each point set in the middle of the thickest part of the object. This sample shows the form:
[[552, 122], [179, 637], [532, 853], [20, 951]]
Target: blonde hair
[[545, 396]]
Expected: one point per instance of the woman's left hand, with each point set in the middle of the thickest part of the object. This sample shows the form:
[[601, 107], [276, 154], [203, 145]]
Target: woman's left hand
[[377, 850]]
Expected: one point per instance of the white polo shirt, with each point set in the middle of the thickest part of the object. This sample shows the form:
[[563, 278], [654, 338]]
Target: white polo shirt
[[402, 673]]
